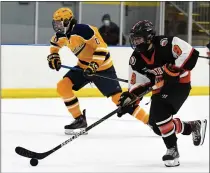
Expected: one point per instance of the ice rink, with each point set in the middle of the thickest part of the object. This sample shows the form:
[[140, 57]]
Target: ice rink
[[116, 145]]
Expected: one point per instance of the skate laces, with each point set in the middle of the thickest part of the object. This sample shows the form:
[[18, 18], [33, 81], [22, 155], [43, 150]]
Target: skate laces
[[77, 120], [171, 151], [74, 122]]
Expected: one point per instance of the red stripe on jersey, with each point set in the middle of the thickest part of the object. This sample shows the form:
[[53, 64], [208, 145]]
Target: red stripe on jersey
[[147, 60]]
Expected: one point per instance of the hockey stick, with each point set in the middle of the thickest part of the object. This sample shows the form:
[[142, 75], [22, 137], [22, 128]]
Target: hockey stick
[[78, 69], [116, 79], [205, 57], [30, 154]]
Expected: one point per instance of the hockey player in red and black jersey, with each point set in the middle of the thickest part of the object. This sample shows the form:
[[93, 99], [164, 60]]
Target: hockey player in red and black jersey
[[157, 58]]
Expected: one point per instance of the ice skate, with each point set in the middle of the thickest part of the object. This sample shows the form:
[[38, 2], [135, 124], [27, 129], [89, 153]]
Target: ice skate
[[77, 125], [171, 158], [198, 131]]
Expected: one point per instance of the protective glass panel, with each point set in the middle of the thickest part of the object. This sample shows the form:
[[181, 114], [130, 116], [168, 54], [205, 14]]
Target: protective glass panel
[[135, 11], [106, 17], [17, 23], [201, 24], [176, 22]]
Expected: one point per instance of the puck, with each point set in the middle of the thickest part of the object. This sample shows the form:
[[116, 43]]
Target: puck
[[34, 162]]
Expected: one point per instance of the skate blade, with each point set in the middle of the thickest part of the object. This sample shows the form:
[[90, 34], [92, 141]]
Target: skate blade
[[74, 132], [172, 163], [203, 131]]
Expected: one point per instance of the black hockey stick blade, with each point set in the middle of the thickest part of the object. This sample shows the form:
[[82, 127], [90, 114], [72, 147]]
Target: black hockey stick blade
[[30, 154]]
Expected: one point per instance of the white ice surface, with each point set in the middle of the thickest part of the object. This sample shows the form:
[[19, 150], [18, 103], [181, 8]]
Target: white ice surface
[[116, 145]]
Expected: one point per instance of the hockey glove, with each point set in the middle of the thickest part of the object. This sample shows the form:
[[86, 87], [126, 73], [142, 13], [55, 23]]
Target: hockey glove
[[170, 77], [124, 101], [54, 61], [170, 74], [91, 69]]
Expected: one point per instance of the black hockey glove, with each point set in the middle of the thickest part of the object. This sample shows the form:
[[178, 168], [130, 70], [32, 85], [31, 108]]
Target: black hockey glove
[[91, 69], [170, 77], [54, 61], [124, 101], [170, 74]]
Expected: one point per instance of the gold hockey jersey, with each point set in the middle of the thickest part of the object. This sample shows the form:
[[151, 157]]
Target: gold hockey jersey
[[86, 43]]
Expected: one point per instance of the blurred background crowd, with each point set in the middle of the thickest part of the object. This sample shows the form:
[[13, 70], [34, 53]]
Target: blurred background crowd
[[25, 22]]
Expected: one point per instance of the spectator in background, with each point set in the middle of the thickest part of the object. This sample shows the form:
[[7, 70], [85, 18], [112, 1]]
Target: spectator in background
[[110, 31]]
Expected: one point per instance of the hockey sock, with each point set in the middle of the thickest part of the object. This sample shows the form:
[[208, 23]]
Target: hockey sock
[[141, 115], [64, 89], [116, 98], [167, 129], [182, 127], [137, 112]]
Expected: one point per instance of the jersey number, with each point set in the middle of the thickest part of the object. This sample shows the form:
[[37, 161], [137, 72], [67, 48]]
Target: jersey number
[[97, 41], [177, 50], [133, 79]]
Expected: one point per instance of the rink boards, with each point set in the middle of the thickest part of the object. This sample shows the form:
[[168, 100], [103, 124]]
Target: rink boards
[[25, 71]]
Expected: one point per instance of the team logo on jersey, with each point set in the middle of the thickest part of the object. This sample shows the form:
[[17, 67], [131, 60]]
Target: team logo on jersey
[[132, 60], [79, 48], [163, 42]]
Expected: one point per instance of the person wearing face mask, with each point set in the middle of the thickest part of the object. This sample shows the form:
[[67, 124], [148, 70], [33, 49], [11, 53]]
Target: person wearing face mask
[[93, 55], [110, 31], [168, 59]]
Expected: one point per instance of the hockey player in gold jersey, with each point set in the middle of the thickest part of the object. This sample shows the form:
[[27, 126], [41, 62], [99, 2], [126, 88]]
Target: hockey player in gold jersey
[[93, 57]]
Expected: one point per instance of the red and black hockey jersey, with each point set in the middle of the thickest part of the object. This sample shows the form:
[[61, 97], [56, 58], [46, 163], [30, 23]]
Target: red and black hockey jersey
[[147, 69]]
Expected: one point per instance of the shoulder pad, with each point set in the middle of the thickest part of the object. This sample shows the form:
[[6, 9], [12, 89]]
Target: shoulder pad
[[133, 60], [163, 41], [83, 30]]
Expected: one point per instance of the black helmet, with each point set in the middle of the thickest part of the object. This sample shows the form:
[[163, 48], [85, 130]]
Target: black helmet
[[141, 35]]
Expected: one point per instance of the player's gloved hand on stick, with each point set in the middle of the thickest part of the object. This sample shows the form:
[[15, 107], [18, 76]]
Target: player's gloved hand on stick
[[91, 69], [170, 74], [170, 77], [54, 61], [125, 99]]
